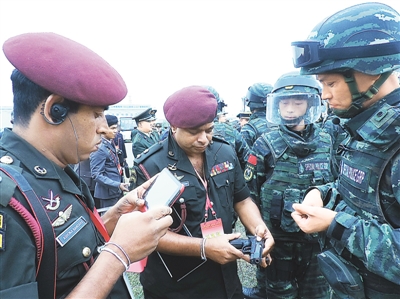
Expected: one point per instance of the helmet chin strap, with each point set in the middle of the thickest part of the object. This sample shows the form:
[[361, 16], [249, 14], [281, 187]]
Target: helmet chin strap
[[358, 98], [292, 122]]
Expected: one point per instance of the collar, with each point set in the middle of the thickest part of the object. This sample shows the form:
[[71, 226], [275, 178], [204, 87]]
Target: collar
[[36, 163], [258, 114], [181, 161], [353, 124]]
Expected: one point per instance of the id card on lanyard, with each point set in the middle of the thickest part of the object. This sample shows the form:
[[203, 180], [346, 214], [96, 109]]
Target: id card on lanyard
[[212, 228]]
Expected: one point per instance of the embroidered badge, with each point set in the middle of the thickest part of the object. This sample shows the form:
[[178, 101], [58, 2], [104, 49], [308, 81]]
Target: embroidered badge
[[250, 166], [63, 216], [54, 201], [71, 231], [221, 167]]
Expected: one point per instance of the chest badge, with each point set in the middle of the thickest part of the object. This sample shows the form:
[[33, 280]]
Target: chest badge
[[53, 201], [63, 216], [178, 177], [172, 167]]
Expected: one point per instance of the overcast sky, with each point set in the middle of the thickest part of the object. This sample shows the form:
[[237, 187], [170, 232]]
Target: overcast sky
[[160, 46]]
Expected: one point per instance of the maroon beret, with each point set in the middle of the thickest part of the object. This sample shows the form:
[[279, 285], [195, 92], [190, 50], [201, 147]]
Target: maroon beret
[[190, 107], [65, 67]]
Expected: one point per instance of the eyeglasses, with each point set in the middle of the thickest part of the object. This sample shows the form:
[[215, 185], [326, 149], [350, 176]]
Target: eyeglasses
[[309, 53]]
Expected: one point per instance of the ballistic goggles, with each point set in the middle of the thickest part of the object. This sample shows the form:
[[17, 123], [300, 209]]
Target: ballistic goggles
[[310, 53]]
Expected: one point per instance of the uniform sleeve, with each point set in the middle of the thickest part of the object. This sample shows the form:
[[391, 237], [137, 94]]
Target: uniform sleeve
[[241, 191], [17, 256], [377, 245], [241, 148], [98, 169], [248, 134], [258, 168]]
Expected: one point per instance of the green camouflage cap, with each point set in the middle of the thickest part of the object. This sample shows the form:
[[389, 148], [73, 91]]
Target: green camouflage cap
[[364, 37]]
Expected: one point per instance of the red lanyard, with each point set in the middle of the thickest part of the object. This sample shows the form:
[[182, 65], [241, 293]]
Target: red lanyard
[[95, 217], [116, 159], [209, 203]]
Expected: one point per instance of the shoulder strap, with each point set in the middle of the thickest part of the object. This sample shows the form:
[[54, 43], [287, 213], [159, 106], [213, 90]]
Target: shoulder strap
[[253, 126], [47, 263]]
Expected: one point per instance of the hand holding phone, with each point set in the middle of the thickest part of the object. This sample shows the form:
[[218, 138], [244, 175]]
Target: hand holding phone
[[164, 190]]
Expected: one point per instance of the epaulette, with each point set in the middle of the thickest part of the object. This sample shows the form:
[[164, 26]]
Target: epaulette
[[148, 152], [220, 139], [7, 189]]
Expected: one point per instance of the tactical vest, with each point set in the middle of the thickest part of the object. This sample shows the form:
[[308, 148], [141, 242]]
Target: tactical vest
[[226, 132], [363, 163], [290, 178], [364, 157], [259, 126]]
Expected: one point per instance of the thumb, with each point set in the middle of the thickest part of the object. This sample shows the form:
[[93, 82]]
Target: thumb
[[233, 236], [160, 211], [299, 208]]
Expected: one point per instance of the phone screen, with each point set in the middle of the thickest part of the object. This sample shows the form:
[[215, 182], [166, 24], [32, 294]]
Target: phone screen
[[164, 190]]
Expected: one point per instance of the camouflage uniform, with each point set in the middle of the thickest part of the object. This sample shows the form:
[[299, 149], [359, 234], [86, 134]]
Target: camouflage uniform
[[257, 125], [256, 98], [288, 162], [365, 232], [233, 137], [228, 133]]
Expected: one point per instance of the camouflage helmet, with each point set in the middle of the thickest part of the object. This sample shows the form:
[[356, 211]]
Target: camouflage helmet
[[364, 37], [220, 102], [291, 89], [256, 96]]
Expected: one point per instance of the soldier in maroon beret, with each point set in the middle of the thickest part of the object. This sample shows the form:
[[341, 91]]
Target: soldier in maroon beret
[[53, 244], [196, 260]]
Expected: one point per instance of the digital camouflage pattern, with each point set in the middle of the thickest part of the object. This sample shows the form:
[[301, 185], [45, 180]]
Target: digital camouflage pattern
[[367, 197], [233, 137], [297, 163], [257, 125], [294, 86], [366, 229], [256, 96], [287, 164], [359, 25]]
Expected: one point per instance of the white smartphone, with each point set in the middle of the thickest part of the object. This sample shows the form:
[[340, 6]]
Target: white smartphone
[[164, 190]]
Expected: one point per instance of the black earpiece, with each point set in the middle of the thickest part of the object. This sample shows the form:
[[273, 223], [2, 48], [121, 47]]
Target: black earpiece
[[58, 113]]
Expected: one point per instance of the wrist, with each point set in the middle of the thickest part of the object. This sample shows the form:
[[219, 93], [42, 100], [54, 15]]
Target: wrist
[[203, 249]]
